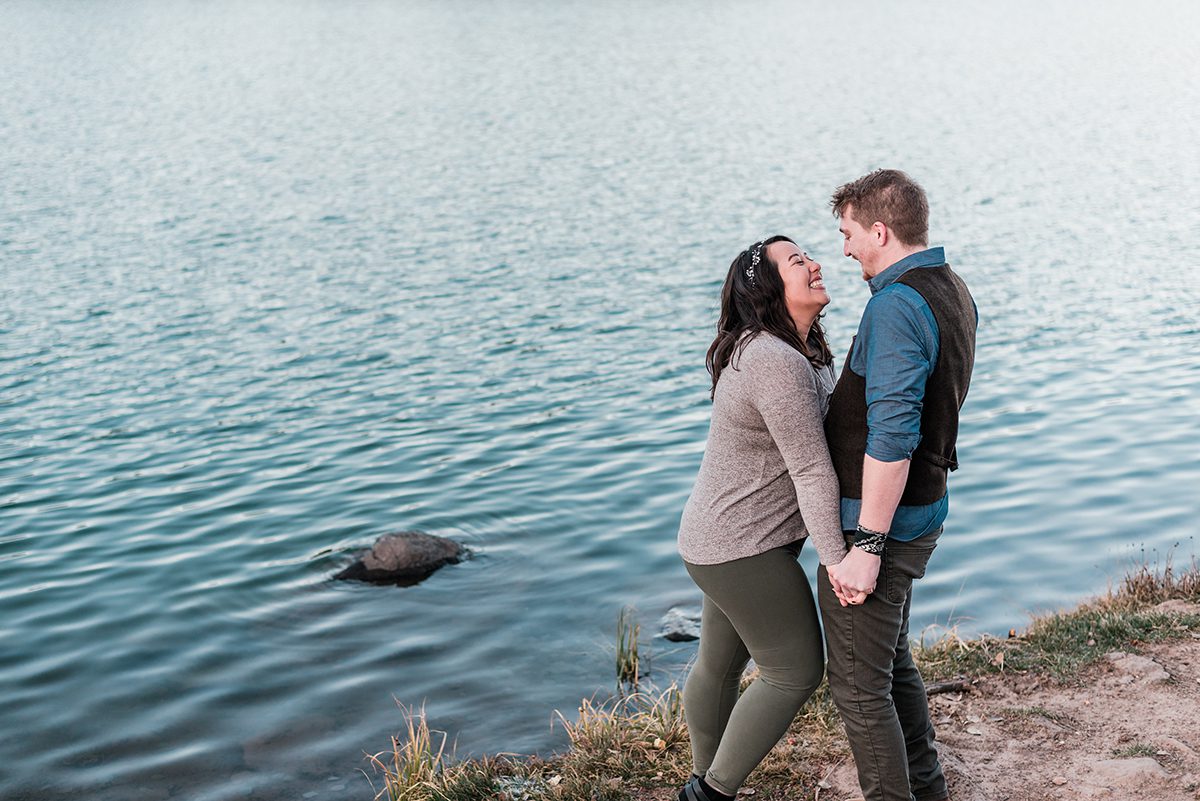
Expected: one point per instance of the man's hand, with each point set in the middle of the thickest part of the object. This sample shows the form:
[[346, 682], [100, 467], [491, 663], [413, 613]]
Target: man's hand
[[846, 597], [853, 578]]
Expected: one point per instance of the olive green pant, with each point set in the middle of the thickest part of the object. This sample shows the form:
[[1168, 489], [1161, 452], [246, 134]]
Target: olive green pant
[[759, 607]]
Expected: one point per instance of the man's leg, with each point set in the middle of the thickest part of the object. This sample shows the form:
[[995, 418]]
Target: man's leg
[[912, 707], [866, 643]]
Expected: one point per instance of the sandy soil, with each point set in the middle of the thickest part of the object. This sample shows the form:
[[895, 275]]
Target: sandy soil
[[1128, 729]]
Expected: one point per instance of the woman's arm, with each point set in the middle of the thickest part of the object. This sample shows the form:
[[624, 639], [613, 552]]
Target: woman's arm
[[784, 391]]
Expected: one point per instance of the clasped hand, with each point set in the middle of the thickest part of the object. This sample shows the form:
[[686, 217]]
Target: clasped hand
[[853, 578]]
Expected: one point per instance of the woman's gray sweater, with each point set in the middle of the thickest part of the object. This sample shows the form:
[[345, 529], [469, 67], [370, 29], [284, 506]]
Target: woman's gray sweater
[[766, 479]]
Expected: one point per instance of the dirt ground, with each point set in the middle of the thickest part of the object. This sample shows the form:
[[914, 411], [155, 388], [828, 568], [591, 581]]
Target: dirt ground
[[1130, 729]]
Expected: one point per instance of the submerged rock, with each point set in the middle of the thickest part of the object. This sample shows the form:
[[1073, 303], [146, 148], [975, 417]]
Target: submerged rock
[[404, 558], [681, 625]]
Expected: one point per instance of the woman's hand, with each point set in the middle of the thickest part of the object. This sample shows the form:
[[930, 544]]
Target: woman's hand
[[853, 578]]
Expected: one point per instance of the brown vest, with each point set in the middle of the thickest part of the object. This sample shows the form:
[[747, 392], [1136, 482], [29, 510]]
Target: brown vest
[[945, 390]]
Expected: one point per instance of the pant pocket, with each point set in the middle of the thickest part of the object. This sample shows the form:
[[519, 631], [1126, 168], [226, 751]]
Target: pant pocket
[[904, 563]]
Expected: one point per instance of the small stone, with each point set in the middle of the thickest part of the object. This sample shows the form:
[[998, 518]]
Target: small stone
[[1059, 780], [1134, 667], [681, 625], [1177, 744], [1129, 772], [978, 732]]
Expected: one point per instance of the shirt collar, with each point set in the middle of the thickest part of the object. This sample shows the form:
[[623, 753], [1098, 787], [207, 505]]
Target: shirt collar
[[932, 257]]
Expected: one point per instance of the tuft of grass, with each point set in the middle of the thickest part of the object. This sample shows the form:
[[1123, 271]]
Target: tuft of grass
[[1061, 644], [465, 781], [628, 663], [415, 763], [1135, 750], [636, 740], [1147, 586]]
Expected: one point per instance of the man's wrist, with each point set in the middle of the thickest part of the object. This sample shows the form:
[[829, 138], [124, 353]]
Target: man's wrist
[[870, 541]]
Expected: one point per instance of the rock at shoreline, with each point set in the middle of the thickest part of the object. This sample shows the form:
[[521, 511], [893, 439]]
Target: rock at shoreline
[[404, 559], [681, 625]]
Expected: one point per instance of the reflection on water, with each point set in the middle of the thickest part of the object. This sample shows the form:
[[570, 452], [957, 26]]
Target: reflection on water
[[281, 279]]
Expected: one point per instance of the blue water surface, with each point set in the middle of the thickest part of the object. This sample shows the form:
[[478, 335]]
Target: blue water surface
[[280, 278]]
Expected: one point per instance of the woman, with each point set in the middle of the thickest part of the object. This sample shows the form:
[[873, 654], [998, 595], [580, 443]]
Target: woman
[[766, 483]]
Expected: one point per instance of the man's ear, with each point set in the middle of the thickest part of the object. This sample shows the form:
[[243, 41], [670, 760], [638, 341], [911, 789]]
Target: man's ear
[[881, 233]]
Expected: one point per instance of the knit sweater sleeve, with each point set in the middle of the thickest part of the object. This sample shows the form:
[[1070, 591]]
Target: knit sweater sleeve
[[783, 389]]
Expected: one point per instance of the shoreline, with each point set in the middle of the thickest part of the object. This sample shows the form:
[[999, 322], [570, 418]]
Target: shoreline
[[1098, 701]]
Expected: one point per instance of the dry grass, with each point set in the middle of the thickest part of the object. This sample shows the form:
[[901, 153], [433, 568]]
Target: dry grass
[[635, 741], [1146, 586], [628, 664], [636, 746], [1060, 644], [416, 761]]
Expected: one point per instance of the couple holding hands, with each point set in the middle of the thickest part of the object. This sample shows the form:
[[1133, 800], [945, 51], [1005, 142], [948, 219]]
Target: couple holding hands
[[859, 464]]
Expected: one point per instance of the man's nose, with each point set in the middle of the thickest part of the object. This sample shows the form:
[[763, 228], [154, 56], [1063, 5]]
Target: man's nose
[[846, 250]]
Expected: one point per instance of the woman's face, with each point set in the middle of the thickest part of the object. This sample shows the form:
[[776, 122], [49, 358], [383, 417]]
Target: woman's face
[[803, 289]]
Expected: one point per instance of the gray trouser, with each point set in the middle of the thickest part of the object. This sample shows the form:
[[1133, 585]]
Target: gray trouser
[[875, 684], [759, 607]]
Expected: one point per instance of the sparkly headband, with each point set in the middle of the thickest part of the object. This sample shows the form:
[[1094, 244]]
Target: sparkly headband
[[755, 255]]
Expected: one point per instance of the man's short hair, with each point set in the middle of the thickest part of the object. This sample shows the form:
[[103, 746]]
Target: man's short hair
[[890, 197]]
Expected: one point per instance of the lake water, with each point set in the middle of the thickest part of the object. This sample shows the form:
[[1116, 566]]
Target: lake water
[[280, 278]]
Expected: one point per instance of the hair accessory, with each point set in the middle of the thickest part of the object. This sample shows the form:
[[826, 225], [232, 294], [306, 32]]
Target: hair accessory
[[755, 256]]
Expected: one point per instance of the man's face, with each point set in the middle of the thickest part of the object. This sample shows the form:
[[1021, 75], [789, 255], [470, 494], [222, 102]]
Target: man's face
[[859, 243]]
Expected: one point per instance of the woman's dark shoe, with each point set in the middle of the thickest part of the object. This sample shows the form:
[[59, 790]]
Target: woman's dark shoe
[[699, 790]]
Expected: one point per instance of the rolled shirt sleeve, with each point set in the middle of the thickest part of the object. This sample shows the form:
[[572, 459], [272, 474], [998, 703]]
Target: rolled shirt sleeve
[[898, 340]]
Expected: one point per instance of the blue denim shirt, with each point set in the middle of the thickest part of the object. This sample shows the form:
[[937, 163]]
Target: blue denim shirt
[[895, 350]]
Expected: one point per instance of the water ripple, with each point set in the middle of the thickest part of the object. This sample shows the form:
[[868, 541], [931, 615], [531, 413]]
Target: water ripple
[[268, 297]]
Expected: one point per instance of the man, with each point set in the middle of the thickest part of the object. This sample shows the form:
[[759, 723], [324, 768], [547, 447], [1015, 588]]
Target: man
[[892, 426]]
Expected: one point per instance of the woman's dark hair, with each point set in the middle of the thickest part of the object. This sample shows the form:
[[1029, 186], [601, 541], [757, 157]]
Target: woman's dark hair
[[756, 304]]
